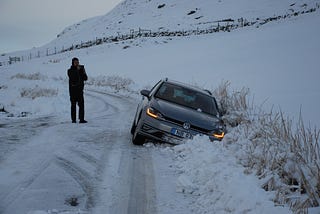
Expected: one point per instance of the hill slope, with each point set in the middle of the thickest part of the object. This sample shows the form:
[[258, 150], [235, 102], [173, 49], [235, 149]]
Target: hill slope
[[168, 15]]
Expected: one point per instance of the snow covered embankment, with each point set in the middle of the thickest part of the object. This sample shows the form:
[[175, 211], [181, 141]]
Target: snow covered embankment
[[262, 165], [212, 173]]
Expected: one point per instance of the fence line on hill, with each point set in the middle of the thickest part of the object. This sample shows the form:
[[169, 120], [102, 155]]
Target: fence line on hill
[[225, 25]]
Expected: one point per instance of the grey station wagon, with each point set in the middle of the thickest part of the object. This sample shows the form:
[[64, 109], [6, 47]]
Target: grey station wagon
[[172, 112]]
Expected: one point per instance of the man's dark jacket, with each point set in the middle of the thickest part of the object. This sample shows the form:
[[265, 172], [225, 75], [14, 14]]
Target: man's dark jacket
[[76, 82]]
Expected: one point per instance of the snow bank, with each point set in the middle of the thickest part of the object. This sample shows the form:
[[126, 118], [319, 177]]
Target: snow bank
[[212, 173]]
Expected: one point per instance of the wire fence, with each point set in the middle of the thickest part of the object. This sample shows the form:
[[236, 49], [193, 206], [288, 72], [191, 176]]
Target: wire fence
[[225, 25]]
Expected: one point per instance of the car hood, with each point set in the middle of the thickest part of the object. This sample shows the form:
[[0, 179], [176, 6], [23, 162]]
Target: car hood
[[183, 114]]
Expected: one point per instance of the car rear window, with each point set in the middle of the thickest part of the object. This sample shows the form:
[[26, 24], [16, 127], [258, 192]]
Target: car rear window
[[187, 97]]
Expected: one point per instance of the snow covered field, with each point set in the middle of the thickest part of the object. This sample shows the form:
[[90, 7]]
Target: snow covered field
[[48, 164]]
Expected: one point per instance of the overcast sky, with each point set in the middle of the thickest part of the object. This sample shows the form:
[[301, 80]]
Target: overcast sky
[[32, 23]]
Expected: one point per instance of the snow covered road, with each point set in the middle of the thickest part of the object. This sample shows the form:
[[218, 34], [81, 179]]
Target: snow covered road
[[49, 164]]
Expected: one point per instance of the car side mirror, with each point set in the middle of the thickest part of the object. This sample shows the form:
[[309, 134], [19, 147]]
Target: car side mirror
[[145, 93]]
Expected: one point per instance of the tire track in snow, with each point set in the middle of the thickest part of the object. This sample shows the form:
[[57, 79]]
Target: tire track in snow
[[87, 157], [88, 180], [108, 109], [142, 191], [82, 177], [128, 184], [127, 176]]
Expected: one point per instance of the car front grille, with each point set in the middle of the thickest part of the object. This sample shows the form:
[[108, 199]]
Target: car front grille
[[180, 123]]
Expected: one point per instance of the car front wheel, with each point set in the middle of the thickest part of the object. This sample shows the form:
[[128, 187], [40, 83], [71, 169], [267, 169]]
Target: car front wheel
[[138, 139], [133, 128]]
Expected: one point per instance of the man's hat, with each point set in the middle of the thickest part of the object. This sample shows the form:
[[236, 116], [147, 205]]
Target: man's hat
[[74, 59]]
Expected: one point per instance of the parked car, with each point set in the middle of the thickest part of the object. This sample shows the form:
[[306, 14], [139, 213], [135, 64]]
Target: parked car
[[172, 112]]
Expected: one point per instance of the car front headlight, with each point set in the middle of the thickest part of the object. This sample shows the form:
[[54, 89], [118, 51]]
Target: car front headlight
[[218, 135], [154, 113]]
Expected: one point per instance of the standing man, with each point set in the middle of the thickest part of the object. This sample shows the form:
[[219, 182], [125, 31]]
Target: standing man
[[77, 75]]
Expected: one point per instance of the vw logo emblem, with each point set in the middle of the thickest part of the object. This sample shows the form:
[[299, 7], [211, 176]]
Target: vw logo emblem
[[186, 125]]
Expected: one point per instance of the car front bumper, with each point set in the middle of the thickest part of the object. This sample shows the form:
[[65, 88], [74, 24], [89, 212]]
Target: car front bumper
[[164, 131]]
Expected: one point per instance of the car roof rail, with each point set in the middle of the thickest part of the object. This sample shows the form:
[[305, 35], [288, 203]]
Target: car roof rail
[[206, 90]]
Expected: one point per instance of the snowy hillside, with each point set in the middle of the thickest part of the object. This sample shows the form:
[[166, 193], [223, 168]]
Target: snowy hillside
[[266, 49], [167, 15], [160, 16]]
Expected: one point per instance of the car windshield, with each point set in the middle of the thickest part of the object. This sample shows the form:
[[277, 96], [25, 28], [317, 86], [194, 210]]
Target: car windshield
[[187, 97]]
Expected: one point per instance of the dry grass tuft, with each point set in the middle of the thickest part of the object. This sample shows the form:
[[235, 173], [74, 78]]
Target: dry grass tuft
[[283, 154]]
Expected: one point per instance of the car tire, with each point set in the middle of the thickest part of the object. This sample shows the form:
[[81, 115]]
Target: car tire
[[138, 139], [133, 128]]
